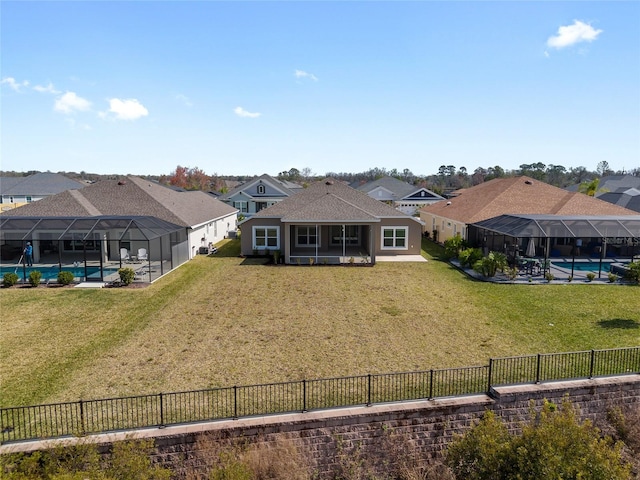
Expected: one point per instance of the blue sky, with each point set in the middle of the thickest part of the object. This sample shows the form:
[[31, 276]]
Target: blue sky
[[240, 88]]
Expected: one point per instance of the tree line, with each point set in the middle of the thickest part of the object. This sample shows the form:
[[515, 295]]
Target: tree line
[[447, 178]]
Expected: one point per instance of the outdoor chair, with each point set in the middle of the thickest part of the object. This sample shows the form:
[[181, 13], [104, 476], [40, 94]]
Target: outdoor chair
[[142, 254], [124, 255]]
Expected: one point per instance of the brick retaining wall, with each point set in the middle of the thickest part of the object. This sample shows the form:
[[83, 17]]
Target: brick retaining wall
[[379, 435]]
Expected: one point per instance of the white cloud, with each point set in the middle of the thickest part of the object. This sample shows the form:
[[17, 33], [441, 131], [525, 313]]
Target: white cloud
[[241, 112], [571, 34], [184, 99], [13, 84], [129, 109], [70, 103], [46, 89], [303, 74]]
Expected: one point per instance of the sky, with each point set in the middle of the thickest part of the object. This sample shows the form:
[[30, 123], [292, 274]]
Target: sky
[[246, 88]]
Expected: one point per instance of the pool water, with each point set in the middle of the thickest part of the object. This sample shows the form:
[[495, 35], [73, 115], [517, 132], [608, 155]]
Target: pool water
[[51, 273], [583, 266]]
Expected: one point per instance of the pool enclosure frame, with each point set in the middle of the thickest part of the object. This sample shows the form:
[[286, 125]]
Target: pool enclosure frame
[[94, 245], [577, 236]]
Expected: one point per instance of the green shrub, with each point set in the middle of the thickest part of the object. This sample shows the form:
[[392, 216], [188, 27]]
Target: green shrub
[[130, 459], [489, 265], [127, 275], [453, 246], [65, 277], [634, 272], [549, 276], [9, 279], [469, 256], [591, 276], [612, 277], [553, 444], [34, 278]]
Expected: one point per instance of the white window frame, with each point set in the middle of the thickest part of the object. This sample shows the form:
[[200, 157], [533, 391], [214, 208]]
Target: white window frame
[[241, 205], [266, 237], [394, 238], [261, 189], [308, 234]]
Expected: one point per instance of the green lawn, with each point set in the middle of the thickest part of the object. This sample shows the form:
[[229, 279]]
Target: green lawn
[[224, 320]]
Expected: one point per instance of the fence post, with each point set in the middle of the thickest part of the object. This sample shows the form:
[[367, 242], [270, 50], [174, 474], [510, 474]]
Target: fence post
[[431, 384], [593, 359], [82, 429], [489, 375], [304, 395], [538, 370], [235, 402], [369, 390], [161, 410]]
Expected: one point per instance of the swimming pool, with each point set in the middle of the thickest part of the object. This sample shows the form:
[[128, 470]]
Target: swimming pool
[[584, 266], [51, 273]]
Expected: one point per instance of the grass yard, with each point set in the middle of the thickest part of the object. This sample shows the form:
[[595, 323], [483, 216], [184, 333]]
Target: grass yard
[[224, 320]]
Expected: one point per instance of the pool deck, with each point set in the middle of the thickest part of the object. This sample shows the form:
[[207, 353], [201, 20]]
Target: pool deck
[[560, 274]]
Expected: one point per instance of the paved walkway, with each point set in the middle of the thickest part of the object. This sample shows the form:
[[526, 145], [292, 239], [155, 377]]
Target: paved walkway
[[400, 258]]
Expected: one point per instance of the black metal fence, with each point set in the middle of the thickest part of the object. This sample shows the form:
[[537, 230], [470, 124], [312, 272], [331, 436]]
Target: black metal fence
[[125, 413]]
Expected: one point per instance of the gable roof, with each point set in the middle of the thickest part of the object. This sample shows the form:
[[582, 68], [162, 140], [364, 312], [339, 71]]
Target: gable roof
[[519, 195], [133, 197], [43, 183], [287, 188], [612, 183], [628, 198], [398, 188], [330, 200]]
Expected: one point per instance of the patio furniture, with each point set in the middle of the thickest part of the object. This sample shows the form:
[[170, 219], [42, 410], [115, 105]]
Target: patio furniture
[[142, 254], [124, 255]]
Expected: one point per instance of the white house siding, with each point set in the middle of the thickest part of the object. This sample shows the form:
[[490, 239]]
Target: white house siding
[[211, 232]]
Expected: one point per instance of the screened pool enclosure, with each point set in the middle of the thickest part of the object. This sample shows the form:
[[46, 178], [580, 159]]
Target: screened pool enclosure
[[601, 239], [92, 248]]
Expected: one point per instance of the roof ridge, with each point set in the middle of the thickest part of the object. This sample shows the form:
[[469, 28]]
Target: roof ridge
[[85, 202], [563, 201]]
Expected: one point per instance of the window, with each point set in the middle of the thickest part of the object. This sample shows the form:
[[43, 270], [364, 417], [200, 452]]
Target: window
[[28, 199], [266, 237], [394, 238], [241, 205], [261, 189], [307, 236], [350, 236]]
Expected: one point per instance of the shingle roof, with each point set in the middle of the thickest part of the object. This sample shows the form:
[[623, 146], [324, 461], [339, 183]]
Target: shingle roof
[[287, 188], [399, 188], [519, 195], [612, 183], [44, 183], [330, 200], [133, 196]]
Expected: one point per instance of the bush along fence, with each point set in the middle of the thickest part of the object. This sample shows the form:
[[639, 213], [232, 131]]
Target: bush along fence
[[125, 413]]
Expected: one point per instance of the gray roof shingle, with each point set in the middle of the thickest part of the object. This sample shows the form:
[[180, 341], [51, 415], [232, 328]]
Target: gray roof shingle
[[43, 183], [133, 196], [330, 200]]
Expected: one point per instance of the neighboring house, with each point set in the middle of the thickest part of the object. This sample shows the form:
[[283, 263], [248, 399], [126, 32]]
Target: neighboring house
[[330, 222], [621, 190], [18, 191], [402, 195], [502, 196], [112, 220], [258, 194]]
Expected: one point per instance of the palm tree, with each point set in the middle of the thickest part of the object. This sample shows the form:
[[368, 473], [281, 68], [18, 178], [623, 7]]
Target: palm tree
[[589, 188]]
